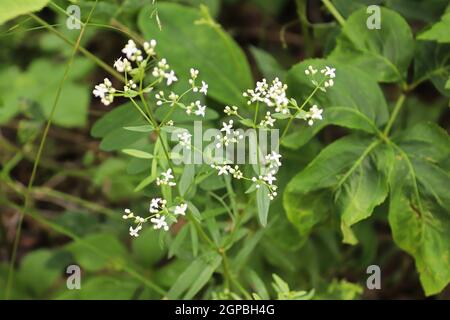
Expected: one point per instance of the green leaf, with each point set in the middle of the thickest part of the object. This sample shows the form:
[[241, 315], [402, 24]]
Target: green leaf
[[263, 204], [383, 53], [348, 168], [117, 118], [432, 62], [138, 153], [107, 251], [209, 49], [146, 248], [187, 178], [144, 128], [41, 268], [439, 31], [14, 8], [267, 64], [355, 101], [195, 276], [36, 88], [419, 205]]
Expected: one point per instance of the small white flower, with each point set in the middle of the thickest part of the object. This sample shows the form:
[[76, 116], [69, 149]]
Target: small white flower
[[159, 222], [329, 72], [165, 180], [204, 88], [200, 109], [170, 77], [227, 127], [274, 159], [105, 92], [269, 178], [230, 110], [122, 65], [185, 139], [157, 204], [135, 232], [181, 209], [314, 114]]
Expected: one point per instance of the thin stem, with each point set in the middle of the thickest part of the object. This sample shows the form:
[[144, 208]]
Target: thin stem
[[339, 18], [88, 54], [286, 129], [38, 157], [398, 106]]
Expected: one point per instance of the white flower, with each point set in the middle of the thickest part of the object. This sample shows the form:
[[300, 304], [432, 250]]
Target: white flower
[[329, 72], [159, 222], [273, 95], [181, 209], [269, 178], [105, 92], [135, 232], [122, 65], [222, 169], [268, 120], [274, 159], [132, 52], [194, 73], [204, 88], [165, 180], [230, 111], [157, 204], [170, 76], [128, 214], [185, 139], [149, 47], [310, 71], [200, 109], [227, 127], [314, 114]]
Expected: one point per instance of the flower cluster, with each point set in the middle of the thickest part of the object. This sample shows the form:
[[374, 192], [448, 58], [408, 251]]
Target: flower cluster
[[134, 67], [159, 216], [273, 95], [166, 179], [230, 135], [327, 80]]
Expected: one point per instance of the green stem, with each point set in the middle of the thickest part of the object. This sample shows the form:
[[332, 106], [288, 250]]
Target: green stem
[[339, 18], [88, 54], [398, 106]]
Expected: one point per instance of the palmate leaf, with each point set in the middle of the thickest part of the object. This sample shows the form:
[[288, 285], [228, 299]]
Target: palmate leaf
[[359, 172], [355, 101], [190, 39], [384, 53]]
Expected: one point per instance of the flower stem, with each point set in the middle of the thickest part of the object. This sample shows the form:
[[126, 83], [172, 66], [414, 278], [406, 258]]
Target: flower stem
[[398, 106], [339, 18]]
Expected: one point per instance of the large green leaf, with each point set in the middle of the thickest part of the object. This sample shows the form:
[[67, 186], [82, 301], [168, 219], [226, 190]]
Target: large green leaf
[[432, 62], [384, 53], [419, 203], [439, 31], [13, 8], [186, 43], [355, 101], [347, 169]]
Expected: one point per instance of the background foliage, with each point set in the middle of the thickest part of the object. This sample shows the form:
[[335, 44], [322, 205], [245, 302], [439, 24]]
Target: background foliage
[[367, 185]]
